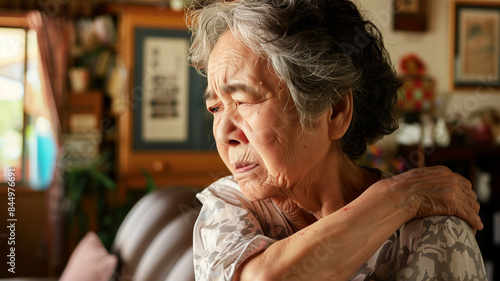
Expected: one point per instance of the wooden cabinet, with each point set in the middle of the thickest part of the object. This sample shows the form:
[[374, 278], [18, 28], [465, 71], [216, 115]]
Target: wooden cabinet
[[196, 166], [85, 111]]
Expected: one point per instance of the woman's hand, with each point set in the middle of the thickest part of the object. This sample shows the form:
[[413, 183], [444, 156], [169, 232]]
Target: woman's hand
[[437, 191]]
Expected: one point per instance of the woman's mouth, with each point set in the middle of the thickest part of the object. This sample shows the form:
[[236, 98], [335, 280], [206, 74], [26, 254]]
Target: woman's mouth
[[244, 167]]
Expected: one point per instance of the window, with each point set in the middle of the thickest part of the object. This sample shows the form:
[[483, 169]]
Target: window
[[27, 142]]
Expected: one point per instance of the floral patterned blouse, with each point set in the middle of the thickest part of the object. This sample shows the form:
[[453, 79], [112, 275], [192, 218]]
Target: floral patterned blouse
[[230, 228]]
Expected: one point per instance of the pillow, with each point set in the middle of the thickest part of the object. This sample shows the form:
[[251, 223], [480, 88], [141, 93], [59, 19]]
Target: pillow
[[89, 261]]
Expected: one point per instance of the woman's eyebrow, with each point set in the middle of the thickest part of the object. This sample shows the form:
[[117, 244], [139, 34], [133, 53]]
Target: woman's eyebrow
[[230, 88], [238, 87]]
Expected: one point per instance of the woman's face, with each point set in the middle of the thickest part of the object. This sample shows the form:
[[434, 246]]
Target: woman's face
[[256, 126]]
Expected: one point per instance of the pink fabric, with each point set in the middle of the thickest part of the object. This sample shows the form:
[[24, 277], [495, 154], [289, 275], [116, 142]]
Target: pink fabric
[[89, 261]]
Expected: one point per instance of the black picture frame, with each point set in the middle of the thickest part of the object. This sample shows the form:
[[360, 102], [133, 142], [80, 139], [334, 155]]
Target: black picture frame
[[480, 65], [199, 120]]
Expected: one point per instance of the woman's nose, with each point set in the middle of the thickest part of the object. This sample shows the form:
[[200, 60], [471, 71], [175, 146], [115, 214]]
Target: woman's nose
[[227, 131]]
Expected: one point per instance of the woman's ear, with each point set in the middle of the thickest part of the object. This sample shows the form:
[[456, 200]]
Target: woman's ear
[[340, 118]]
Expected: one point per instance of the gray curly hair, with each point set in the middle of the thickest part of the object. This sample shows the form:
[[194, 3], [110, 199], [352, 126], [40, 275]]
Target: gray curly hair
[[320, 49]]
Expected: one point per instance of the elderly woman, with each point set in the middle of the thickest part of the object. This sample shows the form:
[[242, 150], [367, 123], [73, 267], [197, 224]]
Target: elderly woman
[[298, 89]]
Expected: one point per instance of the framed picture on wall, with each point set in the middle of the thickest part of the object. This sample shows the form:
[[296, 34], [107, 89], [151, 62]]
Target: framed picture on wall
[[410, 15], [166, 130], [167, 91], [408, 6], [474, 44], [477, 51]]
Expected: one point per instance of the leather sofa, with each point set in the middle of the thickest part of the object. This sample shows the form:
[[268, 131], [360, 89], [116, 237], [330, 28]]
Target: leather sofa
[[154, 242]]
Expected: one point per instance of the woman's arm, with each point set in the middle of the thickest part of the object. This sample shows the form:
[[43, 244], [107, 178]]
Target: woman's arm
[[335, 247]]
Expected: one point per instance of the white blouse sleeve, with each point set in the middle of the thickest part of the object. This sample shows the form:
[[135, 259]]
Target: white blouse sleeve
[[225, 234], [441, 248], [430, 248]]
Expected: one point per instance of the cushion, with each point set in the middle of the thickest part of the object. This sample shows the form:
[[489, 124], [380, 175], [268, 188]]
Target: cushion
[[89, 261]]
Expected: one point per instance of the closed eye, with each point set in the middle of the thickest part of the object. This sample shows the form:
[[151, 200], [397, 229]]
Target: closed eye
[[216, 108], [245, 106]]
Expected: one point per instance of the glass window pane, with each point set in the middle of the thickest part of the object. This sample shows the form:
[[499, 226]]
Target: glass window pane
[[40, 147], [12, 69]]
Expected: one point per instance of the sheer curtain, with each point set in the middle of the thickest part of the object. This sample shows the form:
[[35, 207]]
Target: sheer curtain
[[53, 34]]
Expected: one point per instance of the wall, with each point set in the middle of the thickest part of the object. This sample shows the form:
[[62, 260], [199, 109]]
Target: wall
[[433, 47]]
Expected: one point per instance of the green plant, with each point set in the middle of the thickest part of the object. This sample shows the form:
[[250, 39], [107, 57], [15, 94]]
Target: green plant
[[86, 186], [90, 191]]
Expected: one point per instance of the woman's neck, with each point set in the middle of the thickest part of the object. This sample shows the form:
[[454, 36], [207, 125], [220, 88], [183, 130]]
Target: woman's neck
[[331, 187]]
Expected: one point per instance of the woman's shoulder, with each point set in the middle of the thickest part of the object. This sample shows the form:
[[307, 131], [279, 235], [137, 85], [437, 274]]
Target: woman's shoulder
[[439, 246], [225, 189], [437, 233], [224, 198], [435, 221], [435, 247], [440, 228]]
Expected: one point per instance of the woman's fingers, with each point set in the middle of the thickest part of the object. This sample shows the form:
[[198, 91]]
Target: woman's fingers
[[468, 210], [441, 192], [469, 207]]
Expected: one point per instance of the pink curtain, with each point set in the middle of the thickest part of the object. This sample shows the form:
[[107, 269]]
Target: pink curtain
[[53, 41]]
